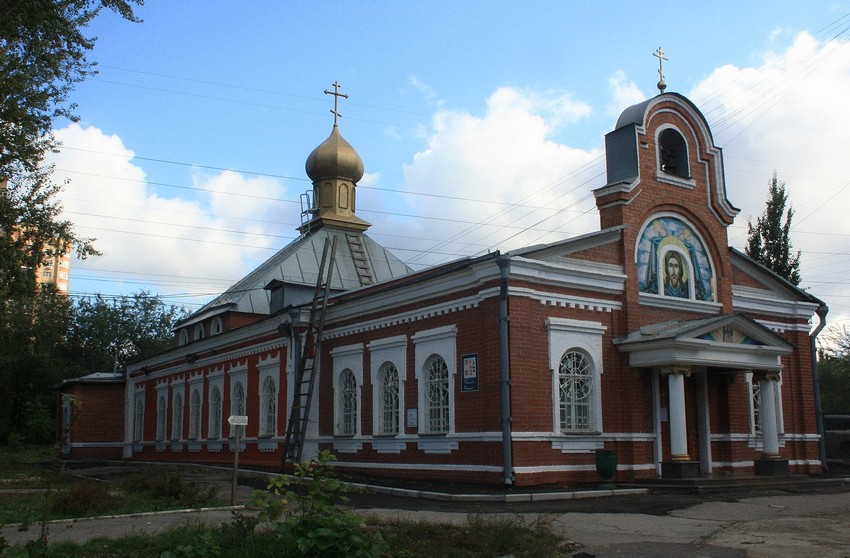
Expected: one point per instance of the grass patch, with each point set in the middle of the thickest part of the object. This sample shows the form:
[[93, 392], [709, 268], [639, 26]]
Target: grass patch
[[481, 536], [63, 495]]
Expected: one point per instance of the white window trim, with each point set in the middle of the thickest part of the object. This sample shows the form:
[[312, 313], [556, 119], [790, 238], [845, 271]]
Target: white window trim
[[215, 379], [584, 336], [211, 419], [178, 389], [195, 429], [217, 326], [348, 357], [441, 341], [269, 368], [394, 350], [238, 374], [670, 178], [162, 393], [139, 417]]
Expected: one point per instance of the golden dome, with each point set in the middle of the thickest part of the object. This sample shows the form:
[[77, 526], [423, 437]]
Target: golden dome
[[334, 158]]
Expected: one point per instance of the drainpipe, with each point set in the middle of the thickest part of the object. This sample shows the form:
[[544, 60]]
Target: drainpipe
[[504, 263], [821, 312]]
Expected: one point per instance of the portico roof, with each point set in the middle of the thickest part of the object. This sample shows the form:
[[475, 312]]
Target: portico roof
[[730, 341]]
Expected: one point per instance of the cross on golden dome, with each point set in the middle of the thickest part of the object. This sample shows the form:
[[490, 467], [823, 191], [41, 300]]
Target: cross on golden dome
[[336, 95]]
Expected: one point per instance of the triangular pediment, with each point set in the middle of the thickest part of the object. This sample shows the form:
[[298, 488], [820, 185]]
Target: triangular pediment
[[730, 341]]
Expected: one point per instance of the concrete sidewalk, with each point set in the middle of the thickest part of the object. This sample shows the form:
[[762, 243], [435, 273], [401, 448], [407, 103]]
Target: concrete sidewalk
[[811, 525]]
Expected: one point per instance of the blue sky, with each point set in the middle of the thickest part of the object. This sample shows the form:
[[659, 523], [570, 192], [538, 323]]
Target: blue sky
[[481, 126]]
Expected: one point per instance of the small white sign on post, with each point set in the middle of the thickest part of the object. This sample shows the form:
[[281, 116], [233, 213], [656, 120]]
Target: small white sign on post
[[237, 420]]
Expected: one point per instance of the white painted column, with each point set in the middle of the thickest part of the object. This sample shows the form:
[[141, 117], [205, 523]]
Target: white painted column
[[678, 420], [767, 412]]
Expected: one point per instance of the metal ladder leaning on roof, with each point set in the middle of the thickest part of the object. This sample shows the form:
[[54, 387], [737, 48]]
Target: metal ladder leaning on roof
[[307, 371]]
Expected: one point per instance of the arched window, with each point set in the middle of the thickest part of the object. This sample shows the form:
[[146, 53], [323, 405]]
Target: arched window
[[177, 418], [575, 383], [67, 416], [139, 418], [388, 399], [347, 404], [215, 413], [217, 326], [199, 332], [436, 376], [195, 415], [183, 337], [237, 404], [673, 153], [268, 407], [161, 410]]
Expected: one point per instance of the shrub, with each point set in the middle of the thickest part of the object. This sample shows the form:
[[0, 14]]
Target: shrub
[[169, 488], [312, 524], [82, 499]]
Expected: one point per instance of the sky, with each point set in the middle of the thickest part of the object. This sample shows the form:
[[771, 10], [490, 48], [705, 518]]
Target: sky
[[481, 126]]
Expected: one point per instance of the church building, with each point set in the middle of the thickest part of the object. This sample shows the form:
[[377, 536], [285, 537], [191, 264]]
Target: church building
[[650, 337]]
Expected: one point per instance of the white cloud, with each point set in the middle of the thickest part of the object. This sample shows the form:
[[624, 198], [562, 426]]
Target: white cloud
[[484, 163], [790, 115], [624, 93], [200, 242]]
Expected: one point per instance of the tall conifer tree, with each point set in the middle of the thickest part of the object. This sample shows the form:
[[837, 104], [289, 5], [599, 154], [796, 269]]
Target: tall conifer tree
[[769, 241]]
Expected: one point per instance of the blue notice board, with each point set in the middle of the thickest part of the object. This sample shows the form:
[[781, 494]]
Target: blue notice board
[[469, 366]]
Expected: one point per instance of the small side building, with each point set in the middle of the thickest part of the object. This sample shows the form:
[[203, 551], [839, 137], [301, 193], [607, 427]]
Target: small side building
[[91, 417]]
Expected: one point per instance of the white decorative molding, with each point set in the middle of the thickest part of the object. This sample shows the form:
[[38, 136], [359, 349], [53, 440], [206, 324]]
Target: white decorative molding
[[764, 301], [347, 446], [440, 444], [389, 445], [682, 304], [578, 445]]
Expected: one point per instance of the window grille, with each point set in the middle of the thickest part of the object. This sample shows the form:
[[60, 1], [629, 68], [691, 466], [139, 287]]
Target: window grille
[[347, 403], [575, 379], [269, 407], [437, 395], [388, 398]]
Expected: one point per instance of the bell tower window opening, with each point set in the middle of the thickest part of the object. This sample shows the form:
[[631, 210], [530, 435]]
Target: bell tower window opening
[[673, 153]]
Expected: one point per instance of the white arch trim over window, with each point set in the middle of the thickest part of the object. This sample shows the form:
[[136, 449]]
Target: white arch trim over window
[[268, 407], [673, 137], [387, 408], [438, 342], [347, 402], [238, 394], [347, 384], [575, 357], [382, 352], [215, 413], [161, 416], [177, 417], [195, 414]]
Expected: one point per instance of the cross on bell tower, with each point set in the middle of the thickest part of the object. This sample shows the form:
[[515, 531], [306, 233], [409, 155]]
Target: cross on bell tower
[[662, 85]]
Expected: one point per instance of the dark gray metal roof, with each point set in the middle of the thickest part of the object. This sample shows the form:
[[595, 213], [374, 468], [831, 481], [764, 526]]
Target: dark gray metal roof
[[298, 264]]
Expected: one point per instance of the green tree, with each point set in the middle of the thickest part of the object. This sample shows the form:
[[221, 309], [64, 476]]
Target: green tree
[[105, 334], [43, 55], [30, 362], [43, 50], [769, 241], [834, 371]]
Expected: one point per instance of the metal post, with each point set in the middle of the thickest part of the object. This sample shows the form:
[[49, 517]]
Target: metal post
[[235, 467]]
